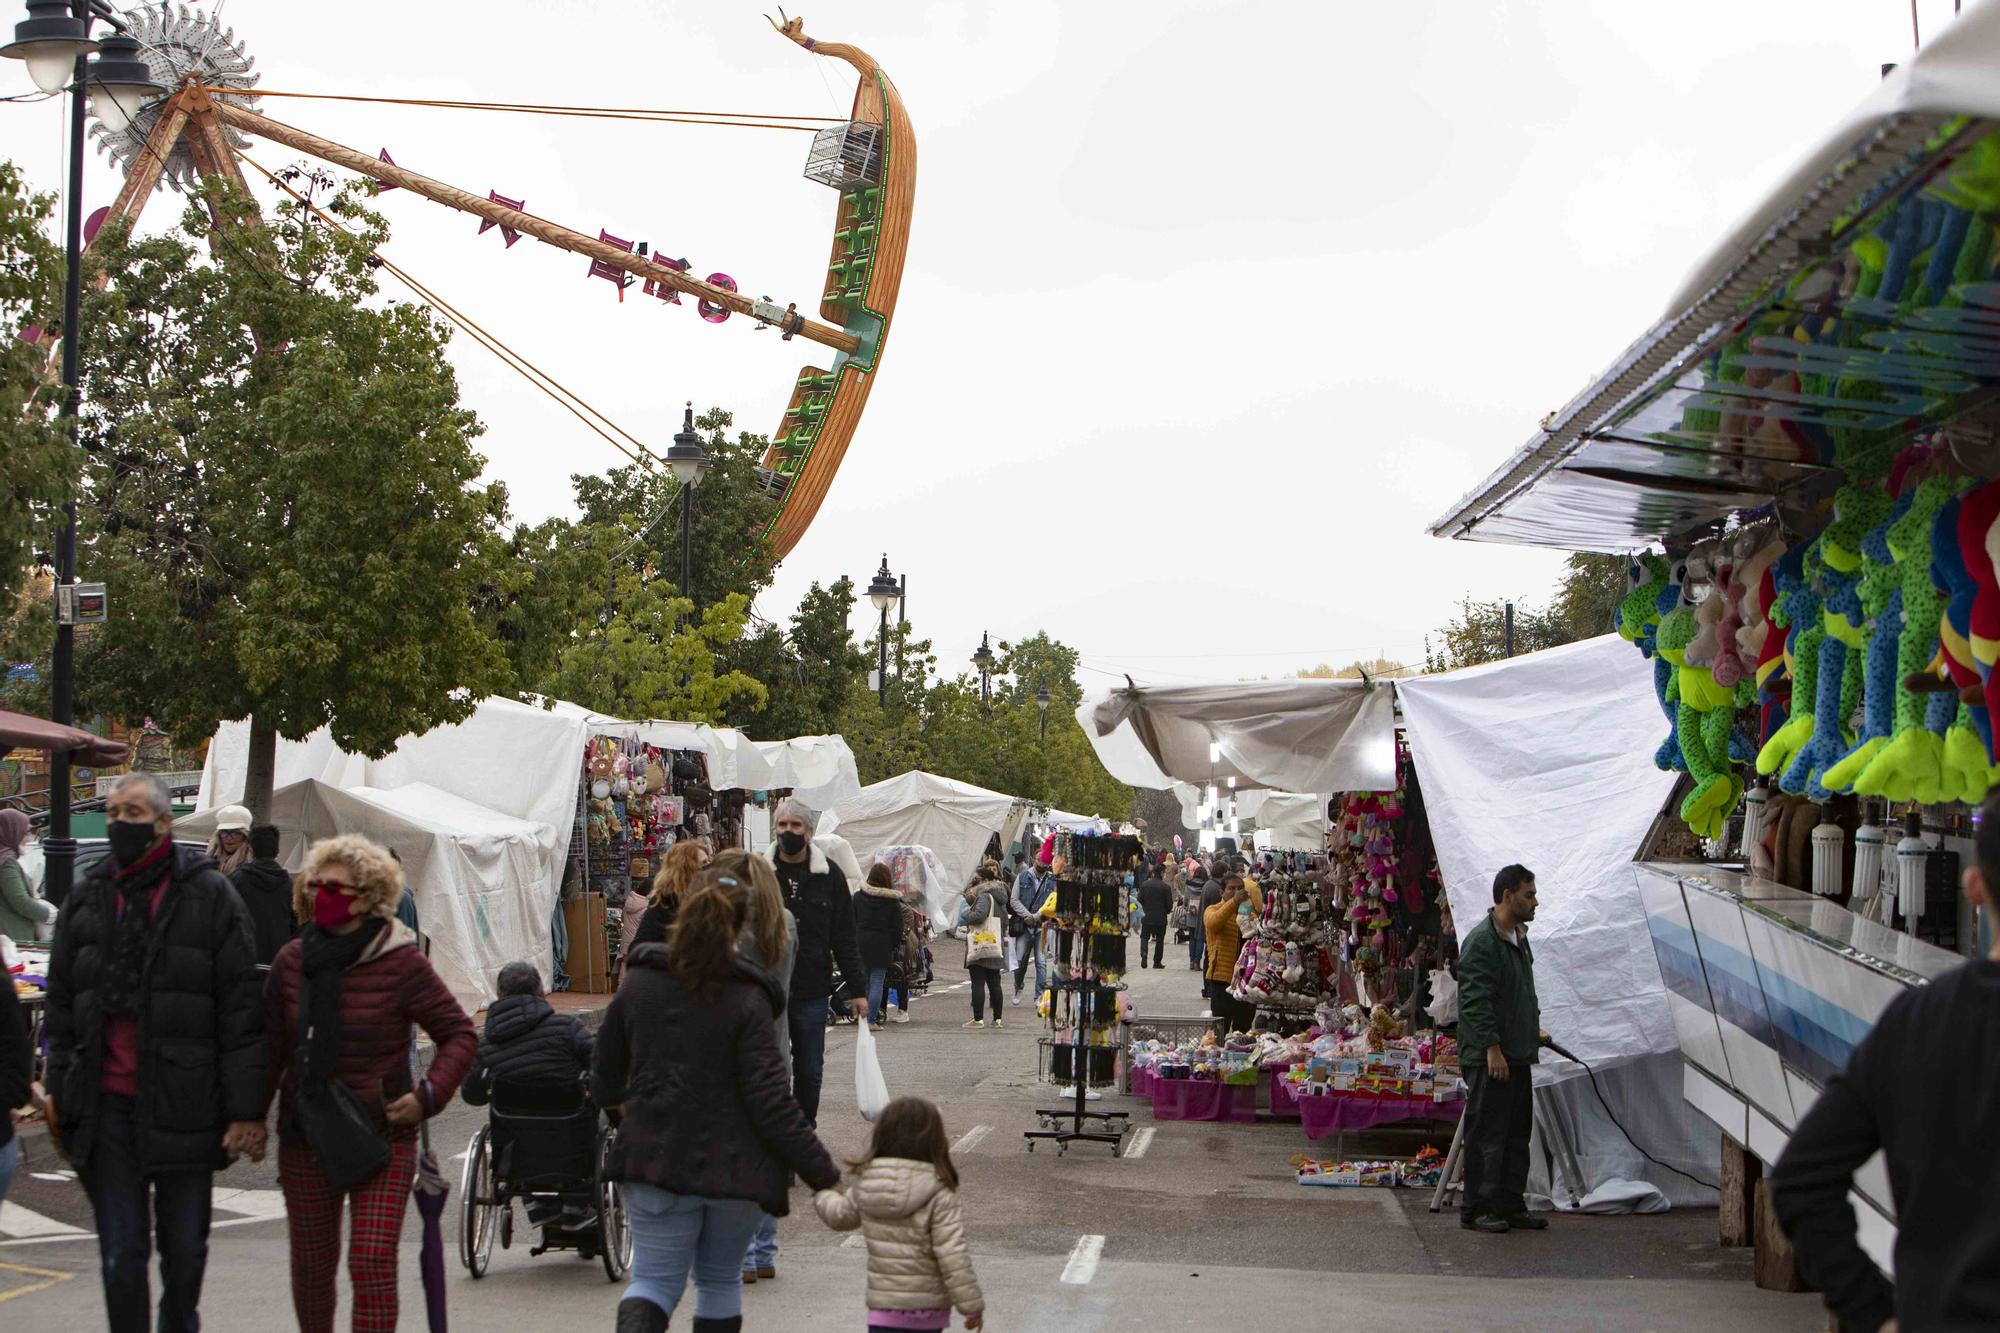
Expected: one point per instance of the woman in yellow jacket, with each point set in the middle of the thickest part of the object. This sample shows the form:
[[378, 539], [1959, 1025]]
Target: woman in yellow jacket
[[1225, 942]]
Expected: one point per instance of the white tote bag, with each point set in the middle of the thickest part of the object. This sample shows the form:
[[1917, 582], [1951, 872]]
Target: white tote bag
[[871, 1091]]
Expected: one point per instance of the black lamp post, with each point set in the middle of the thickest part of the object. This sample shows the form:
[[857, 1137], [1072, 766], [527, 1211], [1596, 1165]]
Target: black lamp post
[[885, 592], [56, 46], [1042, 702], [688, 461], [983, 659]]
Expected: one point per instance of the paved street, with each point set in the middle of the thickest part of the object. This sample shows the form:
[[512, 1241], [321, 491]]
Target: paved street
[[1201, 1227]]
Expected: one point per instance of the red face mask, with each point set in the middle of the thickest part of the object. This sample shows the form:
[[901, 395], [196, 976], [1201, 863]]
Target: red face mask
[[331, 909]]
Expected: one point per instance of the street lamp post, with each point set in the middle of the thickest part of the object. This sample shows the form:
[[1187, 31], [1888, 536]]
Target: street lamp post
[[688, 461], [983, 659], [885, 592], [56, 47], [1042, 703]]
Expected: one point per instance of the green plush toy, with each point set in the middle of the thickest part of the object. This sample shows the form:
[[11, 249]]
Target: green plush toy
[[1911, 766], [1802, 611], [1706, 717]]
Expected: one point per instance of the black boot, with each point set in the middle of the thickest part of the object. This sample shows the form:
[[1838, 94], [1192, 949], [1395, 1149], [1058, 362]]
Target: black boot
[[733, 1324], [636, 1314]]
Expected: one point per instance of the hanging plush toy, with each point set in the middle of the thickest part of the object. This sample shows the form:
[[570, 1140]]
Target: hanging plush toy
[[1979, 544], [1909, 767], [1802, 612], [1707, 714], [1857, 510], [1882, 604], [1961, 590]]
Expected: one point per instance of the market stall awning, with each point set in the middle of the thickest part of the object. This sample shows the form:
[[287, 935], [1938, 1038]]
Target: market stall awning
[[1856, 306], [954, 819], [21, 731], [1294, 735]]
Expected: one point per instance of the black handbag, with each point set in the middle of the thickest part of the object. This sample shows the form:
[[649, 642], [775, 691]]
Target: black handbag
[[342, 1133]]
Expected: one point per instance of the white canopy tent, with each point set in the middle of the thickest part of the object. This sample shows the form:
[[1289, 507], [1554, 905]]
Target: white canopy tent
[[1295, 735], [819, 770], [485, 883], [954, 819]]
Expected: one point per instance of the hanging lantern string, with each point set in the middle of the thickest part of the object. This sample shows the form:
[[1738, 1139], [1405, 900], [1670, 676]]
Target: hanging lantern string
[[527, 369], [740, 119]]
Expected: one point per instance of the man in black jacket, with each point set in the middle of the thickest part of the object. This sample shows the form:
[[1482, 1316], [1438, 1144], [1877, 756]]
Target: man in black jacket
[[266, 890], [817, 894], [156, 1070], [1156, 902], [1923, 1088], [526, 1043]]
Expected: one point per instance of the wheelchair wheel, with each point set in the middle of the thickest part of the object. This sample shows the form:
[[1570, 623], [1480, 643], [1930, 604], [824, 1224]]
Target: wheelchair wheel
[[478, 1208], [614, 1235]]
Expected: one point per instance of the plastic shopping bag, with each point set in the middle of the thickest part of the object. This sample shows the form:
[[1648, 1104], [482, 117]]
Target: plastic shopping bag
[[871, 1093]]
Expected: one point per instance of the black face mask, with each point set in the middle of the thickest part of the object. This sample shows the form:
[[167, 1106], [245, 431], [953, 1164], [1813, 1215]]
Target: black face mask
[[791, 844], [129, 841]]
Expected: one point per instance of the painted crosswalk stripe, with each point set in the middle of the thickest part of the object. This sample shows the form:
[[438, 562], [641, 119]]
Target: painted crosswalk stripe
[[19, 1223], [1142, 1139], [970, 1139], [1082, 1265]]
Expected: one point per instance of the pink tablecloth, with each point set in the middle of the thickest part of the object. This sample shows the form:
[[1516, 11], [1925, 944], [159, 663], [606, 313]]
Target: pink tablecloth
[[1143, 1082], [1283, 1105], [1333, 1113], [1204, 1099]]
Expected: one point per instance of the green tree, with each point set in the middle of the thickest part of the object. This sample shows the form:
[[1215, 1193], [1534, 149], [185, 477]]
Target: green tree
[[281, 492], [1585, 601], [811, 672], [35, 461]]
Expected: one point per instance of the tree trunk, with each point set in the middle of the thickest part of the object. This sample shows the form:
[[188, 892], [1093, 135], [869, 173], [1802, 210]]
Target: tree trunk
[[260, 770]]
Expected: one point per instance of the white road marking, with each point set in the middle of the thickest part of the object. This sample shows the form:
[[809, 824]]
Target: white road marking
[[252, 1205], [60, 1177], [857, 1241], [20, 1223], [970, 1139], [1082, 1265], [1142, 1139]]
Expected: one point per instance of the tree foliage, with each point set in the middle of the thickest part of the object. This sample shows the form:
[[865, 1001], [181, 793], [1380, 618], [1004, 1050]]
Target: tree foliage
[[35, 465], [281, 488], [1585, 605]]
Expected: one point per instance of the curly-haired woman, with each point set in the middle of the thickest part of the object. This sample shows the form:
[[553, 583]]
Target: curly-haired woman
[[683, 861], [338, 1009]]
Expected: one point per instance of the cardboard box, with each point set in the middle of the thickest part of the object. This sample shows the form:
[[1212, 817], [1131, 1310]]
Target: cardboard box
[[589, 963]]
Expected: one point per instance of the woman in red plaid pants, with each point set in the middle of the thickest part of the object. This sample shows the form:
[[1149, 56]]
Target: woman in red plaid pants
[[339, 1005]]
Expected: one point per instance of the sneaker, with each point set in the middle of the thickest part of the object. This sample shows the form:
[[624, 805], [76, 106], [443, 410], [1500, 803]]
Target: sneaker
[[998, 1023], [766, 1272], [1526, 1222], [899, 1015], [976, 1023], [749, 1276], [1492, 1226]]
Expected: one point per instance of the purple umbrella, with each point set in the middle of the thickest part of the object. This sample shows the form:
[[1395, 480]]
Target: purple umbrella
[[430, 1190]]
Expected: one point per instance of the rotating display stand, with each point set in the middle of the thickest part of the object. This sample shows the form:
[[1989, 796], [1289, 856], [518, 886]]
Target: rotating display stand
[[1092, 918]]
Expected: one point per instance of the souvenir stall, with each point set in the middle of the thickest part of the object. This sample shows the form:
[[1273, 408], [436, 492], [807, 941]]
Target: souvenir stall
[[1798, 462], [637, 799], [1085, 1002]]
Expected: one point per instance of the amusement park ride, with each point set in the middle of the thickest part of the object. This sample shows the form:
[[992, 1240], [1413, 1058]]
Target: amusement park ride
[[201, 128]]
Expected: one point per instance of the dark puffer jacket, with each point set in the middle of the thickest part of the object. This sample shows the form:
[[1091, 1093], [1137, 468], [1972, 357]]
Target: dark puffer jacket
[[389, 987], [200, 1036], [526, 1043], [708, 1104], [878, 925], [266, 890]]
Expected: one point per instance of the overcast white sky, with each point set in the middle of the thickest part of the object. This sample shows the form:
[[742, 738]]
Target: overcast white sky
[[1210, 307]]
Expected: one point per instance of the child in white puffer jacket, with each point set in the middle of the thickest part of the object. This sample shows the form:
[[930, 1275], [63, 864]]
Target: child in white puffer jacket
[[904, 1198]]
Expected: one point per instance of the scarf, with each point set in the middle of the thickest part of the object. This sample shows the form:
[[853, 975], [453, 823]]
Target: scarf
[[132, 935], [325, 959], [13, 834]]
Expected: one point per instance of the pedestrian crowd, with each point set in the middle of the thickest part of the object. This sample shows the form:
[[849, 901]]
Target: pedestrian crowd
[[186, 999]]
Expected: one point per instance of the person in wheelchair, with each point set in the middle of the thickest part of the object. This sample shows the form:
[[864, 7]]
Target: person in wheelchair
[[532, 1061]]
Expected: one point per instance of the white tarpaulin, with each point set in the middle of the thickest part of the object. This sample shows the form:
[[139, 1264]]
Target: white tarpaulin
[[954, 819], [819, 770], [1547, 761], [485, 883], [1295, 735]]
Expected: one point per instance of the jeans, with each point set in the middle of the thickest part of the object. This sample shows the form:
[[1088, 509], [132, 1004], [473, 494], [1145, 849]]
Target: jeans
[[1499, 1118], [763, 1248], [878, 982], [673, 1233], [1032, 948], [121, 1196], [1157, 937], [1197, 946], [807, 1018], [10, 1158], [985, 982]]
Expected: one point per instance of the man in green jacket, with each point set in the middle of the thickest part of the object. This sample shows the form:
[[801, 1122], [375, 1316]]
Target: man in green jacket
[[1499, 1033]]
